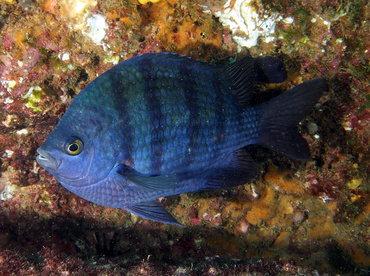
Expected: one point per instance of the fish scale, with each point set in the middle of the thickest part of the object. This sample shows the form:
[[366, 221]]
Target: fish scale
[[168, 98], [162, 124]]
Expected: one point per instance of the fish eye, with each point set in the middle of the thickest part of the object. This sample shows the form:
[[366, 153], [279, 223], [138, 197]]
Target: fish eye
[[74, 146]]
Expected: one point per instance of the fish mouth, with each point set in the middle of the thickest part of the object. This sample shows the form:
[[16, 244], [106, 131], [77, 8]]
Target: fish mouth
[[52, 165], [46, 160]]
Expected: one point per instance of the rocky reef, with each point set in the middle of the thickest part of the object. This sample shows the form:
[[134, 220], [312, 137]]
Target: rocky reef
[[305, 218]]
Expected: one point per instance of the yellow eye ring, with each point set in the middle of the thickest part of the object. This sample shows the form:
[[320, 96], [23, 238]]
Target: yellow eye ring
[[74, 146]]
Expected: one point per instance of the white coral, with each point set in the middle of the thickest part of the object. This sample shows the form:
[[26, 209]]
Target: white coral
[[248, 21]]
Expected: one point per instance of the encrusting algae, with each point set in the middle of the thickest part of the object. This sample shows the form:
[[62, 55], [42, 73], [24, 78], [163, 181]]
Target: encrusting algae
[[148, 1]]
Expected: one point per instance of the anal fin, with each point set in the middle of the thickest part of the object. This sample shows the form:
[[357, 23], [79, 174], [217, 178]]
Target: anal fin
[[239, 169]]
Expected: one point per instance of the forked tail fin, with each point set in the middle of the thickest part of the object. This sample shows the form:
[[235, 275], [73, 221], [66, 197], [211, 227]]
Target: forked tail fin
[[280, 116]]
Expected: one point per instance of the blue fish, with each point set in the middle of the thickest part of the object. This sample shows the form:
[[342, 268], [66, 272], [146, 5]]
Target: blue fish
[[161, 124]]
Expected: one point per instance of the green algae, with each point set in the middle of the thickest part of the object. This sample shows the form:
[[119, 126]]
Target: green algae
[[111, 59], [365, 105], [33, 98]]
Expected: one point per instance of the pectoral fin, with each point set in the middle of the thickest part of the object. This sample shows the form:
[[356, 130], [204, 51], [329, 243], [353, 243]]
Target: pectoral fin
[[153, 182], [154, 211]]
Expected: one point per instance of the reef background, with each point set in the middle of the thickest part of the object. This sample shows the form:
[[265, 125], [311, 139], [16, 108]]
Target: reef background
[[308, 218]]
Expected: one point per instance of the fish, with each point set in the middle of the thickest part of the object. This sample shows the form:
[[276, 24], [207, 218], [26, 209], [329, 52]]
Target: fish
[[162, 124]]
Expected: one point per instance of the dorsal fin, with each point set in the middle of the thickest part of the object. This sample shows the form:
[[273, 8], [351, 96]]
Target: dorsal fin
[[242, 77], [245, 73]]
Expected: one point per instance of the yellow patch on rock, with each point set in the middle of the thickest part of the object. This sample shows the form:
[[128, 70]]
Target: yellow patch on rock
[[283, 183], [261, 209]]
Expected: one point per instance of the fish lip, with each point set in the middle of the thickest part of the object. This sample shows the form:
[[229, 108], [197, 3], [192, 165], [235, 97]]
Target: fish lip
[[46, 160]]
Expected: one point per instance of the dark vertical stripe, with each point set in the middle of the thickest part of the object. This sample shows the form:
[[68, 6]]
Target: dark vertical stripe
[[191, 96], [153, 107], [220, 110], [125, 135]]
